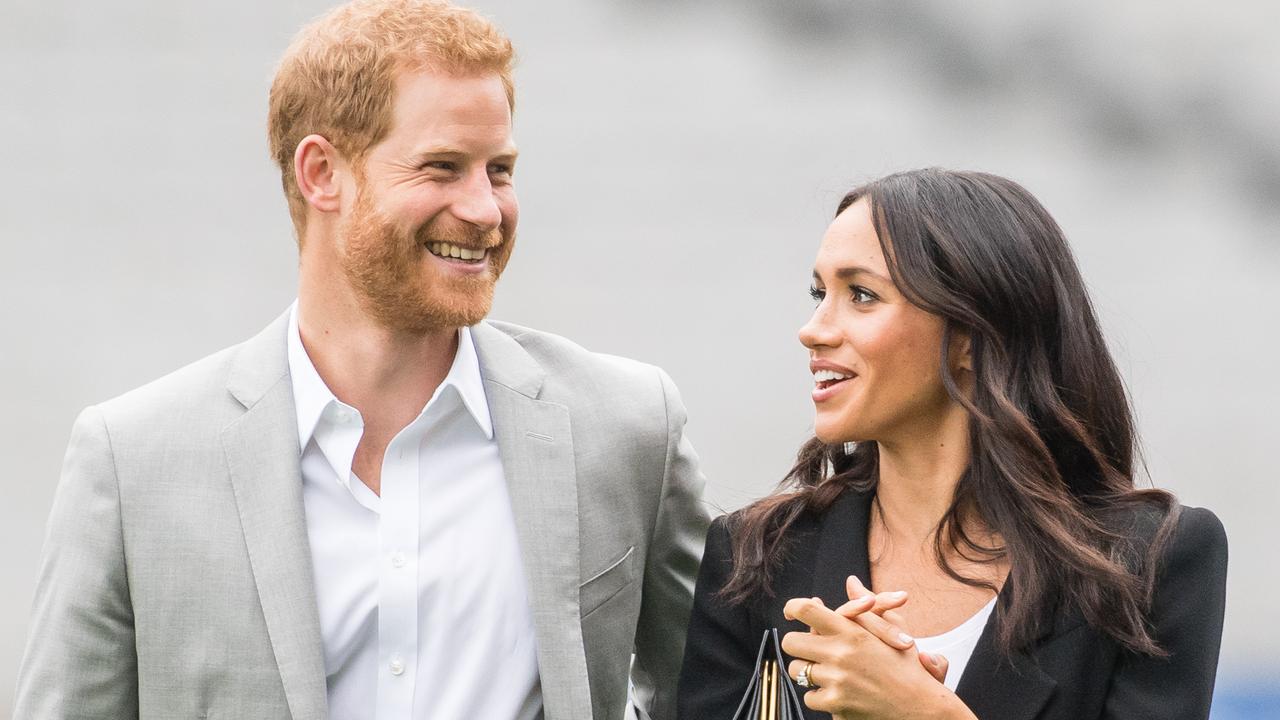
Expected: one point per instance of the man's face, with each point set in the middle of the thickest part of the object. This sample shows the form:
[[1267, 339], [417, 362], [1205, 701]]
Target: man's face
[[434, 216]]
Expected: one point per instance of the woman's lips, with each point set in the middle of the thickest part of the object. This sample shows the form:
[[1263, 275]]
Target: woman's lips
[[824, 391]]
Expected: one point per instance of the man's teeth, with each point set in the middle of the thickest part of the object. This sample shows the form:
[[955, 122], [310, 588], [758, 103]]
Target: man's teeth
[[453, 251], [829, 375]]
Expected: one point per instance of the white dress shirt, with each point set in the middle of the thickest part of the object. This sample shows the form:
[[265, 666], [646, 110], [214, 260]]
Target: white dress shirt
[[424, 611]]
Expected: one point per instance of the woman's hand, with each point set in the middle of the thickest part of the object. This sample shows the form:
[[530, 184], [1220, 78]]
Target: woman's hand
[[886, 605], [865, 667]]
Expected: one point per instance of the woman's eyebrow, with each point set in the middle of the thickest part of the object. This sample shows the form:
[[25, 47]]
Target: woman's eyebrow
[[845, 273]]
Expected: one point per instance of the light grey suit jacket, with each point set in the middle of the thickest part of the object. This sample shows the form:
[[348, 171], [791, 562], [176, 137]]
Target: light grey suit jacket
[[176, 580]]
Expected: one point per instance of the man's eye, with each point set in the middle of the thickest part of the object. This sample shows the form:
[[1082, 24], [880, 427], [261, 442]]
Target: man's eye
[[501, 169], [443, 165], [817, 294]]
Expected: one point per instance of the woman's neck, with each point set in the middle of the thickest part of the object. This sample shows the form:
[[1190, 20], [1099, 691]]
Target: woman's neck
[[918, 477]]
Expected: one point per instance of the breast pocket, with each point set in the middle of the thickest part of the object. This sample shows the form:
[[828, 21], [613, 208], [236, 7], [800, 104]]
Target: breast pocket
[[608, 582]]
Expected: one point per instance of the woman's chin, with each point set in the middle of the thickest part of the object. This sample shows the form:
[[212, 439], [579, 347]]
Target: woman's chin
[[836, 435]]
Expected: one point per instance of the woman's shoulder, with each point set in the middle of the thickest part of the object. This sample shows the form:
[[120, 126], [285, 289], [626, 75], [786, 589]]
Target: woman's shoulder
[[1172, 533], [791, 546], [1197, 539], [808, 520], [1199, 526]]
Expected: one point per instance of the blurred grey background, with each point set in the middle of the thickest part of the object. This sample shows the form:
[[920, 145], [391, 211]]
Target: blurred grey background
[[680, 161]]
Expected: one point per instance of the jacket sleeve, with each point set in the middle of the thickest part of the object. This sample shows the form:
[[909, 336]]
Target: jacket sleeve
[[675, 551], [80, 660], [720, 651], [1186, 619]]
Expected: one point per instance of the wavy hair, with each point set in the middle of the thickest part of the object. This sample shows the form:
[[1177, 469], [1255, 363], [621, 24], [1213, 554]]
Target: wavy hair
[[1052, 442]]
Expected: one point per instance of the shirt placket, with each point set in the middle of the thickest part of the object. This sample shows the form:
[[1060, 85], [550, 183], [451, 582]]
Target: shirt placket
[[398, 575]]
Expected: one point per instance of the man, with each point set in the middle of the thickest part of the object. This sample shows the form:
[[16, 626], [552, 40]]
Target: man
[[381, 506]]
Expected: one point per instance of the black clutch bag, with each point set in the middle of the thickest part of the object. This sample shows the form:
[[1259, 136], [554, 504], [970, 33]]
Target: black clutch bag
[[770, 695]]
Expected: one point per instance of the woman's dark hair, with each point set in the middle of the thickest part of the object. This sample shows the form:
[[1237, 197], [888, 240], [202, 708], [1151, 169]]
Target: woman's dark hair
[[1052, 445]]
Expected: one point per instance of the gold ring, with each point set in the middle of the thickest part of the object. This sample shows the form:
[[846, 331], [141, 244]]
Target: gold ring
[[803, 679]]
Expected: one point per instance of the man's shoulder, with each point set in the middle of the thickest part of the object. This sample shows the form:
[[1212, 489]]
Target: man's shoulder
[[562, 358], [610, 394], [205, 389], [196, 386], [204, 395]]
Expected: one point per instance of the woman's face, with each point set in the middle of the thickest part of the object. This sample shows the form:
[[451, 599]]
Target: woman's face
[[875, 357]]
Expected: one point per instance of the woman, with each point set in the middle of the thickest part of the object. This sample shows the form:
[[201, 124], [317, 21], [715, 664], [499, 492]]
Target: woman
[[971, 484]]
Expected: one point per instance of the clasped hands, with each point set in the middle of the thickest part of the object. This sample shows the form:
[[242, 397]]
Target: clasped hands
[[864, 665]]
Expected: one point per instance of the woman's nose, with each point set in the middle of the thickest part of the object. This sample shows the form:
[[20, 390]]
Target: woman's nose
[[818, 332]]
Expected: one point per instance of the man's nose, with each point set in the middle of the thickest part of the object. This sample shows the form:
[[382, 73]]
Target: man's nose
[[475, 204]]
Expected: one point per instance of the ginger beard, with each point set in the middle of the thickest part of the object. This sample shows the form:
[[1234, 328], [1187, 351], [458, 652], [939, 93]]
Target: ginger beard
[[404, 287]]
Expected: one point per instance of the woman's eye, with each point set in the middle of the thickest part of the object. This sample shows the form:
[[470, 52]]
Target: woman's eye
[[861, 294], [817, 294]]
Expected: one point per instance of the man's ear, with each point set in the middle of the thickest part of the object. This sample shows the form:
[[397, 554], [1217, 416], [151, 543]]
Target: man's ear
[[316, 164]]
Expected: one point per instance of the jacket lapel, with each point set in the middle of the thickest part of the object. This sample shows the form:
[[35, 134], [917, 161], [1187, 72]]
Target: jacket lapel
[[842, 548], [536, 445], [262, 454], [998, 687]]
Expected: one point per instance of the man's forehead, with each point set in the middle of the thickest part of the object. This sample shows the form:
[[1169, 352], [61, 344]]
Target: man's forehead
[[450, 87], [443, 113], [438, 149]]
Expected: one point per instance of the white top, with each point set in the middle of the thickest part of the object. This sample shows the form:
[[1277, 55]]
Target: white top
[[423, 605], [957, 645]]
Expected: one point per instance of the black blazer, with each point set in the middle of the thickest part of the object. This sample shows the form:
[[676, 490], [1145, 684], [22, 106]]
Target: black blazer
[[1071, 672]]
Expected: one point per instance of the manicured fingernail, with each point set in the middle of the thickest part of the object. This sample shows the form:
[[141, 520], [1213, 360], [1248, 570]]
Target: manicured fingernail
[[933, 660], [898, 594], [905, 638]]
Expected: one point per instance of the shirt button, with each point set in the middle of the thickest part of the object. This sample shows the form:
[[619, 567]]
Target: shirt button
[[397, 559], [396, 665]]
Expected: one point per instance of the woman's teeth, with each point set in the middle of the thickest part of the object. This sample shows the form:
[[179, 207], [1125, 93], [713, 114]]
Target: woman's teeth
[[829, 376], [447, 250]]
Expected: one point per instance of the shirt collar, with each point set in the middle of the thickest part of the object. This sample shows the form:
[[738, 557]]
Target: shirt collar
[[465, 376], [311, 396]]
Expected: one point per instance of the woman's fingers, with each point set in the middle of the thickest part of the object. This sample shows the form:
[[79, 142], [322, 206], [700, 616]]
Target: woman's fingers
[[815, 672], [884, 601], [882, 621], [889, 633], [936, 665], [854, 587], [813, 613], [806, 646], [894, 617]]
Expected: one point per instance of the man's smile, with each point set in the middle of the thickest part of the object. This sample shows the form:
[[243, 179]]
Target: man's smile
[[449, 251]]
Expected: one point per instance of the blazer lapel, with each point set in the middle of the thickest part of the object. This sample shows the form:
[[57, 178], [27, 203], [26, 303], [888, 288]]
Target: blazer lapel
[[536, 445], [842, 548], [998, 687], [262, 454]]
